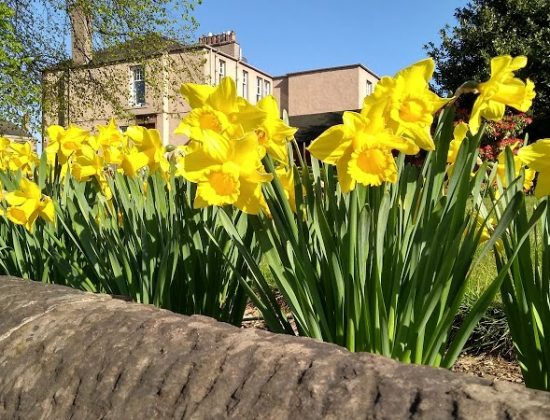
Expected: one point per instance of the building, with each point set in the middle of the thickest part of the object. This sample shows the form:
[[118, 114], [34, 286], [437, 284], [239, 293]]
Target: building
[[314, 99], [72, 98], [14, 133]]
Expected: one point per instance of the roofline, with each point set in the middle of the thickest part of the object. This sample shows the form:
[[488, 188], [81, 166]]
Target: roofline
[[238, 60], [19, 138], [344, 67], [93, 65]]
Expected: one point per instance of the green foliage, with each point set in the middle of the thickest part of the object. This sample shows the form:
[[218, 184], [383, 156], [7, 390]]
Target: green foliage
[[35, 35], [488, 28], [148, 244], [526, 288], [383, 269], [17, 87]]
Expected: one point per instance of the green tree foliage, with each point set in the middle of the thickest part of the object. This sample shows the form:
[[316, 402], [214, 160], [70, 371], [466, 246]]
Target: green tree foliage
[[487, 28], [35, 35], [14, 64]]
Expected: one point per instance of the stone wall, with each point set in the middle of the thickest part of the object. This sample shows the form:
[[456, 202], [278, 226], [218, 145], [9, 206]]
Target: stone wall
[[67, 354]]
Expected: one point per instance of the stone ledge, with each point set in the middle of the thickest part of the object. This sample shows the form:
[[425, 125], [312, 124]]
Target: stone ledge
[[69, 354]]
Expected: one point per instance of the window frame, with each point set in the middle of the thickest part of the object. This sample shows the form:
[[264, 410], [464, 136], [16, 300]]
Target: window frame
[[370, 88], [244, 85], [266, 88], [137, 70], [259, 88], [222, 69]]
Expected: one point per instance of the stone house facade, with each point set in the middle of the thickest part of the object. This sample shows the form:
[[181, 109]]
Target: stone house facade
[[314, 99]]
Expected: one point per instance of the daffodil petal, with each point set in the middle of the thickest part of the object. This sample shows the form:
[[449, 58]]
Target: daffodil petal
[[196, 94], [543, 184], [347, 183], [331, 145], [536, 155]]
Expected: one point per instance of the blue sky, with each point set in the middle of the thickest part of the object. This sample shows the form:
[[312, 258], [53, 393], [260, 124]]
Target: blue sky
[[293, 35]]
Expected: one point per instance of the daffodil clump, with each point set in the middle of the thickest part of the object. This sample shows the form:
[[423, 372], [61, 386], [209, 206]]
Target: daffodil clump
[[86, 156], [15, 156], [373, 254], [94, 156], [27, 203], [228, 138], [396, 117], [24, 205]]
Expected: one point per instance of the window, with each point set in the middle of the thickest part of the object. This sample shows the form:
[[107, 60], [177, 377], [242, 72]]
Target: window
[[369, 87], [267, 87], [221, 70], [245, 85], [138, 86], [258, 88]]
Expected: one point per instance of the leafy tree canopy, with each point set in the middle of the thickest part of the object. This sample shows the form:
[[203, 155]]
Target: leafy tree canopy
[[487, 28], [35, 35]]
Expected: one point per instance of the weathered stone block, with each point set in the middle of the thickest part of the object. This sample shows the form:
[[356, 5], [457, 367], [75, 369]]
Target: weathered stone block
[[69, 354]]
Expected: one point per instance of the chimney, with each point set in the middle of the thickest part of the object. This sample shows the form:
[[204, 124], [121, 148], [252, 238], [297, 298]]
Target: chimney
[[81, 35], [225, 42]]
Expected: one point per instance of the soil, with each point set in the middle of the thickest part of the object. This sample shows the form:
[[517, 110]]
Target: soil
[[485, 365], [489, 366]]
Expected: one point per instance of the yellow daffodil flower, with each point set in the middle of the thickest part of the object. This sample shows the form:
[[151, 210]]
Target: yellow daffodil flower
[[500, 90], [4, 153], [149, 150], [2, 212], [273, 133], [27, 204], [133, 161], [110, 135], [459, 134], [221, 111], [179, 159], [201, 119], [361, 148], [4, 144], [488, 228], [195, 94], [286, 176], [112, 142], [537, 157], [64, 142], [233, 176], [407, 103], [89, 164], [518, 164], [22, 157]]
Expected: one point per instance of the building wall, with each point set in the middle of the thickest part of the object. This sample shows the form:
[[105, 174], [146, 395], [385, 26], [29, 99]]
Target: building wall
[[322, 91], [74, 97], [90, 96], [234, 68], [365, 76], [280, 92]]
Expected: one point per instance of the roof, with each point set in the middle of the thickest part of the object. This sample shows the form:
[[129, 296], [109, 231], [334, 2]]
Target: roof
[[345, 67], [149, 46], [9, 129], [146, 46]]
